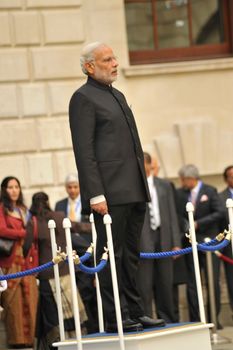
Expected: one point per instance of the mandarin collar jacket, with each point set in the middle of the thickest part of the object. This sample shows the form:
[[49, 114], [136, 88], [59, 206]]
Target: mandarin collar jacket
[[106, 144]]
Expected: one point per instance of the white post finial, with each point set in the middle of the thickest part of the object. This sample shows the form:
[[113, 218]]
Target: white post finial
[[189, 207], [51, 224], [91, 218], [229, 203], [107, 219], [66, 223]]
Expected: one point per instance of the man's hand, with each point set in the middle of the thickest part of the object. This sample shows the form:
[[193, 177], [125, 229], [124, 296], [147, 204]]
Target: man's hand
[[100, 208], [176, 256]]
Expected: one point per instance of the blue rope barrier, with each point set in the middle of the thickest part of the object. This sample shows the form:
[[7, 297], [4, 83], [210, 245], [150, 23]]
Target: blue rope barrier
[[219, 246], [38, 269], [85, 257], [92, 270], [27, 272], [201, 247], [209, 246]]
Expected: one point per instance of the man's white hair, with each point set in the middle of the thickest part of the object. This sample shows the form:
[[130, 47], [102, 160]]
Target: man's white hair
[[87, 54]]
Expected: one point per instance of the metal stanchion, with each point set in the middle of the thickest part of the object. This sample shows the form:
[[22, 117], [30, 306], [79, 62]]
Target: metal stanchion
[[67, 226], [190, 210], [215, 337], [98, 294], [107, 222], [52, 226]]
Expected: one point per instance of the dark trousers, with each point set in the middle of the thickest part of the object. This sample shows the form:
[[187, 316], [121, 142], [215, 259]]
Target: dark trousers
[[229, 273], [191, 286], [156, 280], [127, 221]]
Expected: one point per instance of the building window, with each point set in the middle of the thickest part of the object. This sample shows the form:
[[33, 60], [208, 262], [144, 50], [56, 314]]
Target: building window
[[170, 30]]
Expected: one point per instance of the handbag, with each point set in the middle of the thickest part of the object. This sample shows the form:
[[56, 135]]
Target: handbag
[[6, 247], [32, 258]]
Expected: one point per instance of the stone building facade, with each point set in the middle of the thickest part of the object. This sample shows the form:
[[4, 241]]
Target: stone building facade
[[183, 110]]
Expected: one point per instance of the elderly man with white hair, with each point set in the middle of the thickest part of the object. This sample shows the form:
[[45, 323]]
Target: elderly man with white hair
[[208, 213], [112, 178]]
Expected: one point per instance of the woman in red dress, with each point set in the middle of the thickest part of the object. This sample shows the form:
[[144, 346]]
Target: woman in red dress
[[19, 301]]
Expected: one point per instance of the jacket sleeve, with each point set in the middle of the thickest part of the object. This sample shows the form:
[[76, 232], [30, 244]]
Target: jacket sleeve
[[83, 127], [9, 232], [173, 215], [217, 211]]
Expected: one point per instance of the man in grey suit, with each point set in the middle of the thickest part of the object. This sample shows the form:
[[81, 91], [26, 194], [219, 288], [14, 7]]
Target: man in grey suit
[[224, 195], [160, 233]]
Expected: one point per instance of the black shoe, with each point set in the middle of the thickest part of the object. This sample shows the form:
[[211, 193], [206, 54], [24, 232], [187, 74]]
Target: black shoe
[[149, 322], [128, 326]]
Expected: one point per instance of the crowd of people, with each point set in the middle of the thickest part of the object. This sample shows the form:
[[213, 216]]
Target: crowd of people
[[148, 214], [30, 311]]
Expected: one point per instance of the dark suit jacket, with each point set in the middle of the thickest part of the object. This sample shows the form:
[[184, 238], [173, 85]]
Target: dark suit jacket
[[224, 195], [62, 206], [106, 145], [208, 211], [169, 229]]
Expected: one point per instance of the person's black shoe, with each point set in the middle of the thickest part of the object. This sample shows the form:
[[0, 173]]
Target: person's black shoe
[[128, 326], [149, 322]]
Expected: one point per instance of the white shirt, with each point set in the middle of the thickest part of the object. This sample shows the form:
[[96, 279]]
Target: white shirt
[[194, 192], [154, 200]]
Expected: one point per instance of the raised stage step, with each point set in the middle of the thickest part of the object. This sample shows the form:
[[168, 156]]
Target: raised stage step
[[180, 336]]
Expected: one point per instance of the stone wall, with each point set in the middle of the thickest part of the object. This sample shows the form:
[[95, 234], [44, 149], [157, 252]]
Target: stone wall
[[39, 70], [183, 110]]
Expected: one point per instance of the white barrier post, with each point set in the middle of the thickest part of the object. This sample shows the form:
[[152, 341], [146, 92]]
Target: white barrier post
[[52, 226], [98, 294], [67, 226], [107, 222], [190, 210], [229, 205]]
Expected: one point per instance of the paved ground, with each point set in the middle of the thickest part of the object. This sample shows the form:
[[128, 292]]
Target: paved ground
[[224, 334]]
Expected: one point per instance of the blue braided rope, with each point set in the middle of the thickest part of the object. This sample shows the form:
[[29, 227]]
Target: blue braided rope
[[27, 272], [162, 255], [219, 246], [38, 269], [201, 247], [92, 270], [85, 257]]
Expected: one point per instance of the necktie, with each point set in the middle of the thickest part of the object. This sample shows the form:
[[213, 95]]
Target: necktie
[[153, 225], [193, 197], [72, 214]]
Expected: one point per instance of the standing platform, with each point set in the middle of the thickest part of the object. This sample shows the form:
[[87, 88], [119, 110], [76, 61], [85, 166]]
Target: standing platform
[[179, 336]]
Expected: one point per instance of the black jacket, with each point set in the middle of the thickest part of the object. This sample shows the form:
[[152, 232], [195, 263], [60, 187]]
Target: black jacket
[[224, 195], [106, 145], [208, 211]]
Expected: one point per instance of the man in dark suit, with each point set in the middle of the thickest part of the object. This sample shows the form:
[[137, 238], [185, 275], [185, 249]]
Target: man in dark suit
[[162, 236], [224, 195], [112, 178], [81, 239], [207, 215]]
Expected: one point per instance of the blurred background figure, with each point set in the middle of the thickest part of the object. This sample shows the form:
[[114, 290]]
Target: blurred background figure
[[47, 330], [160, 233], [224, 195], [19, 301], [208, 214], [81, 240], [72, 208]]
